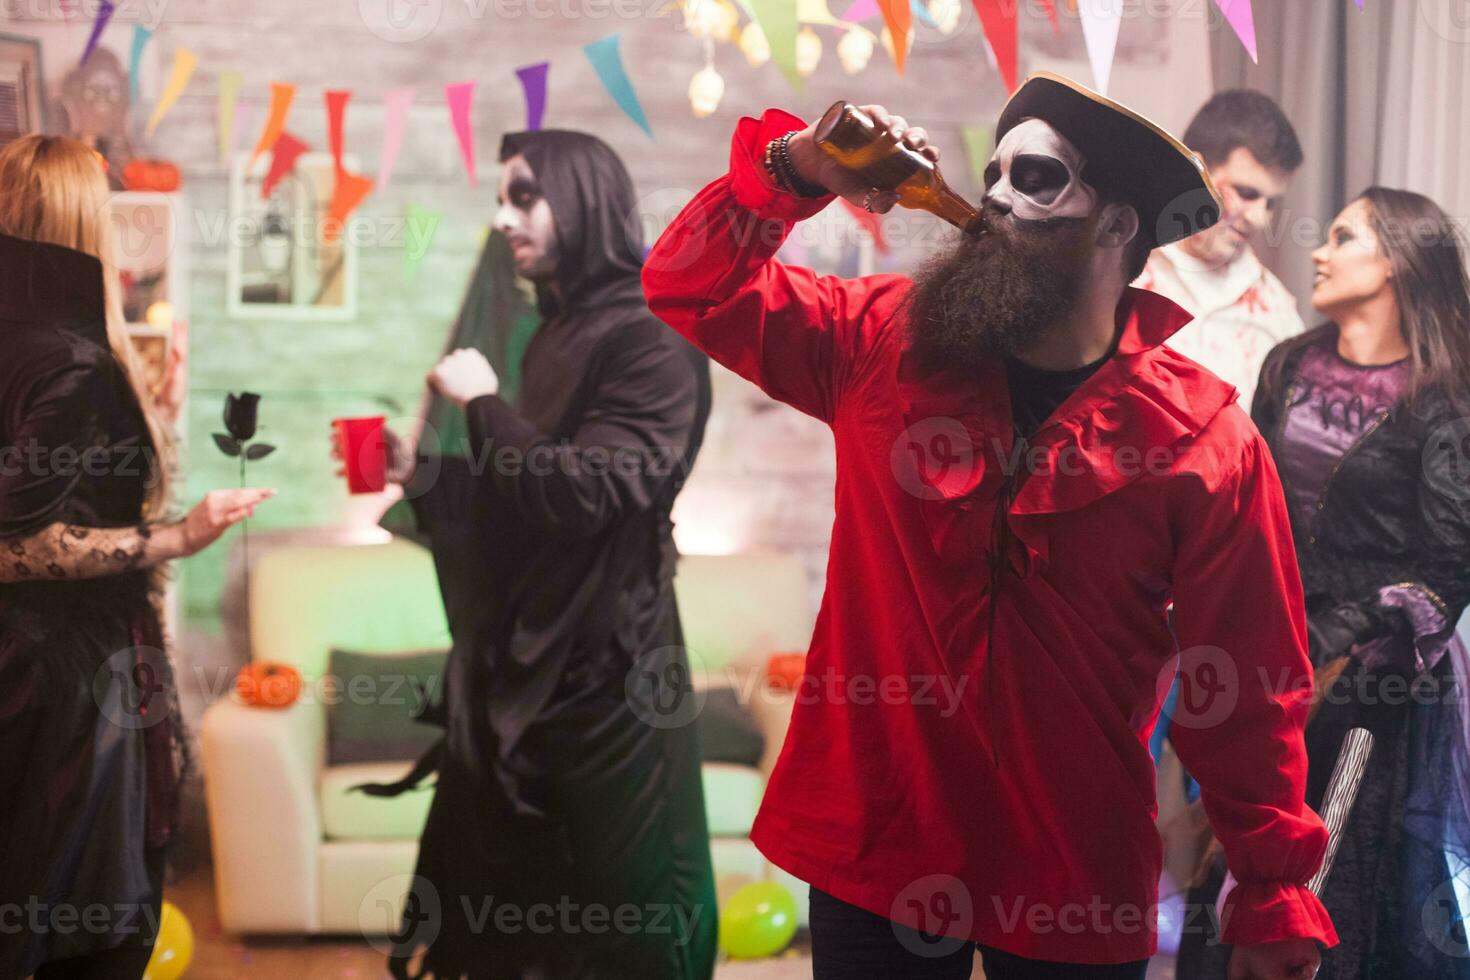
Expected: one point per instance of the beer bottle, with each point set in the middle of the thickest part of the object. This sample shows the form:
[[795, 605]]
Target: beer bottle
[[851, 137]]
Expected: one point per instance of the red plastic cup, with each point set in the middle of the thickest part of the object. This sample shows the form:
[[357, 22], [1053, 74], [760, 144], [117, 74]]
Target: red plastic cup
[[364, 453]]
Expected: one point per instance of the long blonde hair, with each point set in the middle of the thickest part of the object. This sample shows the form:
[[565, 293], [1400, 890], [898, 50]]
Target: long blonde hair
[[52, 189]]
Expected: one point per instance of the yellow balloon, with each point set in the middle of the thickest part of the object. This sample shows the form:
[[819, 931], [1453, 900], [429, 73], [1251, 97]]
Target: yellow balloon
[[174, 948]]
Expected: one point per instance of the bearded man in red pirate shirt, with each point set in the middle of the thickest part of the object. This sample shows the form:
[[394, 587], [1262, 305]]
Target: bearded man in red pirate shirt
[[1089, 478]]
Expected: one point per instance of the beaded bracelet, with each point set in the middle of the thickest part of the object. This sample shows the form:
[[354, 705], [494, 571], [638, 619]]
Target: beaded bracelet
[[783, 171]]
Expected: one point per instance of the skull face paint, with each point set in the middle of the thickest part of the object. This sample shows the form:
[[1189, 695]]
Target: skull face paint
[[1035, 174]]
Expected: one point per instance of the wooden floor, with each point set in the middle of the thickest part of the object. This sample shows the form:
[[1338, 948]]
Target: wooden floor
[[218, 956]]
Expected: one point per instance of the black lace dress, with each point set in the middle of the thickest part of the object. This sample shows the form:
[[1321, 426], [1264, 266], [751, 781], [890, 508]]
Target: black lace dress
[[90, 749], [1379, 496]]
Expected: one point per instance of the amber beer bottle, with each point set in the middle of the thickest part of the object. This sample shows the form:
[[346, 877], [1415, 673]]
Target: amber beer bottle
[[851, 137]]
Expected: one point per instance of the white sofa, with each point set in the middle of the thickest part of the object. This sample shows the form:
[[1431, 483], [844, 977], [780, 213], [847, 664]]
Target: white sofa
[[295, 853]]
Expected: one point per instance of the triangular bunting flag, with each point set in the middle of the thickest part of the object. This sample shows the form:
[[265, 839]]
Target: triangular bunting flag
[[284, 152], [141, 36], [869, 222], [1242, 20], [898, 16], [778, 21], [347, 194], [533, 84], [104, 14], [979, 145], [998, 18], [184, 63], [420, 224], [281, 95], [1100, 22], [229, 91], [460, 96], [395, 123], [861, 10], [336, 110], [609, 66], [1051, 15]]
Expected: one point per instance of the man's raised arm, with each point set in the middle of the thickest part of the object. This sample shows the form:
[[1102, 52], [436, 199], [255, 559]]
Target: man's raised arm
[[713, 277]]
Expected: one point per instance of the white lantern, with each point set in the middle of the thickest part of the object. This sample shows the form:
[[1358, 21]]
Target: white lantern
[[946, 14], [808, 51], [706, 89], [754, 46], [854, 50]]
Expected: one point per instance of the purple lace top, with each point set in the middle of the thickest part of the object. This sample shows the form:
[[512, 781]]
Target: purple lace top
[[1334, 403]]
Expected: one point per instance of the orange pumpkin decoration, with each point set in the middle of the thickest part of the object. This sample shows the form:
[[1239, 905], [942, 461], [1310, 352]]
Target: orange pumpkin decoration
[[784, 671], [265, 684], [151, 175]]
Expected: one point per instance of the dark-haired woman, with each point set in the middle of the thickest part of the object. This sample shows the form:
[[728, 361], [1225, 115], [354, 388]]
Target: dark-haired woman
[[1366, 416]]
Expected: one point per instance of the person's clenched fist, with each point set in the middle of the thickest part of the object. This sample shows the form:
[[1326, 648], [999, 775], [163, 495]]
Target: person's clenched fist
[[464, 375]]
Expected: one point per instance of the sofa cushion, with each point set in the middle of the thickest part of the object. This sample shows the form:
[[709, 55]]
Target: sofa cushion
[[728, 732], [349, 815], [372, 702], [732, 794]]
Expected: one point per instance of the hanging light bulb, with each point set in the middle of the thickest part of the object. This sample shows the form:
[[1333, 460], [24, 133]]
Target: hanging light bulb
[[854, 50], [699, 18], [725, 21], [754, 46], [808, 51], [946, 14], [706, 89]]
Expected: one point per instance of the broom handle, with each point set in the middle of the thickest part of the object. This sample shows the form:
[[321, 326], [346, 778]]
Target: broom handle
[[1341, 793]]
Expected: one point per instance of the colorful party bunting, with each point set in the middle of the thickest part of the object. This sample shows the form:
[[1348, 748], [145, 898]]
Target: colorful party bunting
[[922, 12], [1360, 4], [104, 14], [998, 18], [336, 109], [533, 84], [347, 193], [898, 16], [284, 152], [460, 95], [609, 66], [1051, 15], [419, 224], [229, 91], [817, 12], [395, 121], [869, 222], [141, 36], [281, 95], [184, 63], [979, 145], [1100, 22], [1242, 20], [861, 10], [778, 21]]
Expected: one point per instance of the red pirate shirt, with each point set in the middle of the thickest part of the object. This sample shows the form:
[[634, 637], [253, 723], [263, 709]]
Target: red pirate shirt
[[968, 750]]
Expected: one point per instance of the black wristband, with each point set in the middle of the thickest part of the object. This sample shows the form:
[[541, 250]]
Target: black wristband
[[792, 179]]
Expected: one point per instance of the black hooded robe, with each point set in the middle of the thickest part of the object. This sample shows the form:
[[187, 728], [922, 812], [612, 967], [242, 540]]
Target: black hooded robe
[[567, 837]]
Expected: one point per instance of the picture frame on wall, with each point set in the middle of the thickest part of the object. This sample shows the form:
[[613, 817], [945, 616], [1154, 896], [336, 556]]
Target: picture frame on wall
[[22, 103], [281, 264]]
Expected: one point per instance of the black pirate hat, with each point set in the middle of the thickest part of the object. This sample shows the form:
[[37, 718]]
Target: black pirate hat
[[1126, 154]]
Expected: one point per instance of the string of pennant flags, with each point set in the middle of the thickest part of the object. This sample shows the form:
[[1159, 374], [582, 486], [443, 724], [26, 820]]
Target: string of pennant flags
[[778, 31]]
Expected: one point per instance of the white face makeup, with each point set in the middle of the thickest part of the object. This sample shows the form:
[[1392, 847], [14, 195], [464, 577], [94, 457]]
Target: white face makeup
[[1035, 173]]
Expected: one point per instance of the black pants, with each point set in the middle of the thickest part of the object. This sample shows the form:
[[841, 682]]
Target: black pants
[[849, 943], [123, 963]]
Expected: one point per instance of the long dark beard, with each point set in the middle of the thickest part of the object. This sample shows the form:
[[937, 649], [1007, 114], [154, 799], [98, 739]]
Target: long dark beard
[[996, 293]]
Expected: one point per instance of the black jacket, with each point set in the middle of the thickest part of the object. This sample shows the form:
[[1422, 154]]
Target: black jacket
[[1395, 512]]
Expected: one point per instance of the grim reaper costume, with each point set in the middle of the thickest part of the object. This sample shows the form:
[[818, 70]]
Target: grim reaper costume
[[567, 836]]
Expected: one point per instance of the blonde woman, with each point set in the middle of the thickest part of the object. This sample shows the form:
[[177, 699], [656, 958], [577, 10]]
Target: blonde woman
[[91, 752]]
